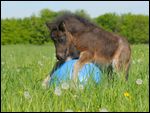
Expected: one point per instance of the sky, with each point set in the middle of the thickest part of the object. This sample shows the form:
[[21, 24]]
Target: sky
[[21, 9]]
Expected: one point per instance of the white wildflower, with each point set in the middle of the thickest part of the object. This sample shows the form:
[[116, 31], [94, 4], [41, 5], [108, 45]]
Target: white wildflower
[[103, 110], [81, 87], [74, 96], [11, 55], [139, 60], [44, 85], [69, 110], [65, 86], [3, 63], [133, 61], [139, 81], [27, 95], [40, 63], [57, 91], [44, 57], [18, 70]]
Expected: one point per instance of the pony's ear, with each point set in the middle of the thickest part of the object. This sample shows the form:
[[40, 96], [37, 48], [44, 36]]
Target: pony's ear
[[62, 26], [51, 26]]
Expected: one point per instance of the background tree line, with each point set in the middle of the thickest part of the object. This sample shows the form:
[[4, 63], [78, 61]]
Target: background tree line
[[33, 29]]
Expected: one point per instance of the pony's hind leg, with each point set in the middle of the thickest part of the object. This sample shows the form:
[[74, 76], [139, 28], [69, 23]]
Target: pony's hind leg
[[127, 66], [121, 61]]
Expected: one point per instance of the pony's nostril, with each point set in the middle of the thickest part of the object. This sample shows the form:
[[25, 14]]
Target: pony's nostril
[[59, 57]]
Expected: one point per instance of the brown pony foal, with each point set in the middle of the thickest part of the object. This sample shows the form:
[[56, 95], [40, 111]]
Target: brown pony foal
[[95, 44]]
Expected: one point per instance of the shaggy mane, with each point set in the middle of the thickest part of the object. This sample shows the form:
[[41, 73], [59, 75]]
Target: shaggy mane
[[68, 15]]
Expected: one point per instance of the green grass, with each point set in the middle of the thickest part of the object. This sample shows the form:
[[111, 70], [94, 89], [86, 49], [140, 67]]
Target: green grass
[[23, 68]]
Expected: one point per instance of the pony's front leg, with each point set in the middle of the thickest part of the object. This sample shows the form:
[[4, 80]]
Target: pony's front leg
[[84, 58]]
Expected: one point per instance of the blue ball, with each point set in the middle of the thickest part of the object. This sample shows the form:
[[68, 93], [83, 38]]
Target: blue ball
[[65, 71]]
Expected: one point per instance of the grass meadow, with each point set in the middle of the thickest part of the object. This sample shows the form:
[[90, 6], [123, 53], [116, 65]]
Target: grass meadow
[[23, 68]]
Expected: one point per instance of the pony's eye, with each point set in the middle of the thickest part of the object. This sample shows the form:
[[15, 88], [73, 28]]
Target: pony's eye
[[62, 39], [53, 35], [54, 40]]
